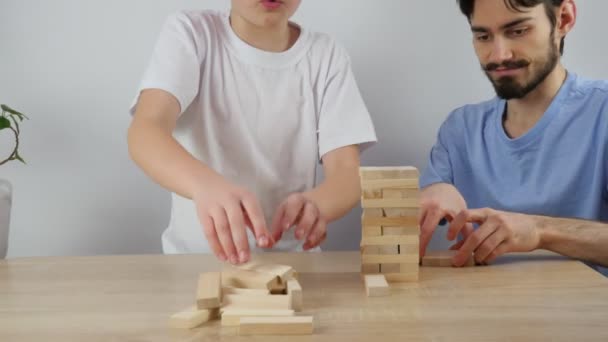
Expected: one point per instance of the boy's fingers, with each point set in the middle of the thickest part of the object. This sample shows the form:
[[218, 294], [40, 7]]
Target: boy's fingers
[[253, 210], [212, 239], [222, 228], [236, 223]]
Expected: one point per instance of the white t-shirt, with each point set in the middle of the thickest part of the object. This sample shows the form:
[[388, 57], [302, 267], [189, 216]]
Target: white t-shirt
[[262, 120]]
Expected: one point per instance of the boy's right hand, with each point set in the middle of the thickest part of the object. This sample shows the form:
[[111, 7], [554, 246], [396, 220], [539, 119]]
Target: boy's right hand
[[225, 210], [439, 201]]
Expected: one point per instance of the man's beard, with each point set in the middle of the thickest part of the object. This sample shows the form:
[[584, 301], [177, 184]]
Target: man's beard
[[508, 88]]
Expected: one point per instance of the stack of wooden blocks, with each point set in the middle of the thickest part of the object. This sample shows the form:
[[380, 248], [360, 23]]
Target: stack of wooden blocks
[[258, 299], [390, 231]]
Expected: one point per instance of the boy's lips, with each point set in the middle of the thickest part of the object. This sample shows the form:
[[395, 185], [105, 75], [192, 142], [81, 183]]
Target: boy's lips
[[271, 5]]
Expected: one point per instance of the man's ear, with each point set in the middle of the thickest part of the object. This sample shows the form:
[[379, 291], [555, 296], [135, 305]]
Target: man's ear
[[566, 18]]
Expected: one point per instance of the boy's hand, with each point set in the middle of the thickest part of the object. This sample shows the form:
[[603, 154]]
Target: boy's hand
[[225, 210], [297, 210]]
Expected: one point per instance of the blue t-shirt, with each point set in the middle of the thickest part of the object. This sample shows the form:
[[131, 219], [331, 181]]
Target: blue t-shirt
[[558, 168]]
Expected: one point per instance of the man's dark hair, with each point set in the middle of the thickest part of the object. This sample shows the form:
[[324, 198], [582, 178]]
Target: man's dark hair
[[467, 7]]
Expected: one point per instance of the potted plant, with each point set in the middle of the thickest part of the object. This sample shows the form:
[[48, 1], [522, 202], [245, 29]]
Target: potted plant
[[9, 121]]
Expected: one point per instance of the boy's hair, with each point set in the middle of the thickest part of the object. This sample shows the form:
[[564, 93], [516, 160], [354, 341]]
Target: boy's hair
[[467, 7]]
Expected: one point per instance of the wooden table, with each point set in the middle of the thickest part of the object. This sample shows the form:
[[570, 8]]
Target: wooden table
[[527, 297]]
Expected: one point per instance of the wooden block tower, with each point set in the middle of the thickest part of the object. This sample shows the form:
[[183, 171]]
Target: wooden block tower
[[390, 231]]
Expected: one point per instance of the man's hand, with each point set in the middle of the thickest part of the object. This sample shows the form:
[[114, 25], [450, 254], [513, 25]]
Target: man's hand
[[299, 211], [438, 201], [499, 232]]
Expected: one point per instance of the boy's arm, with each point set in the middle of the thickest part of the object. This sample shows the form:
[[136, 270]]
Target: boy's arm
[[503, 232], [222, 208], [341, 188], [311, 211]]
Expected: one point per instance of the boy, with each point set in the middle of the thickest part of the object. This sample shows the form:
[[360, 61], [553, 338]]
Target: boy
[[233, 112]]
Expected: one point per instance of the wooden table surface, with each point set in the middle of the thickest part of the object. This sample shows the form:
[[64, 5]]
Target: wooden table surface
[[524, 297]]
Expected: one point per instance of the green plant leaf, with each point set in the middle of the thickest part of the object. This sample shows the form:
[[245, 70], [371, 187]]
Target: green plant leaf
[[4, 123], [18, 157], [9, 109], [13, 112]]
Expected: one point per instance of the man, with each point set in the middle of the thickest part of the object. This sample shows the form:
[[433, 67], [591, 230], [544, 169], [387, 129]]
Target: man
[[532, 162]]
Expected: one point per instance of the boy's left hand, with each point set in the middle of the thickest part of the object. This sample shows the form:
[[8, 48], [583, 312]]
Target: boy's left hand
[[299, 211]]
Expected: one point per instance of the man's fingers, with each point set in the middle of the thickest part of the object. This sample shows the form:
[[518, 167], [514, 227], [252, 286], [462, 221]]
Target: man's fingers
[[473, 242], [431, 219]]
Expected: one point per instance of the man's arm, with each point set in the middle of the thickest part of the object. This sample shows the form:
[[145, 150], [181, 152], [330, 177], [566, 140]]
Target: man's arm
[[502, 232], [579, 239], [311, 211]]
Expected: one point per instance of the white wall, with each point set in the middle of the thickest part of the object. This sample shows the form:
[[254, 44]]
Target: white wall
[[73, 66]]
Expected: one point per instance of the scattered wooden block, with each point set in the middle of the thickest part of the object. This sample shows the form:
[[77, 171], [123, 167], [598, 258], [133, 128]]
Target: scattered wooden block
[[442, 259], [376, 285], [296, 325], [249, 279], [232, 317], [252, 292], [239, 301], [285, 272], [209, 292], [294, 290], [192, 317]]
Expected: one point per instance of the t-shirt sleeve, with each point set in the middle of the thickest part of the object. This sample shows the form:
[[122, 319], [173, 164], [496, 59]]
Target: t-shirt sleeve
[[343, 119], [439, 167], [175, 64]]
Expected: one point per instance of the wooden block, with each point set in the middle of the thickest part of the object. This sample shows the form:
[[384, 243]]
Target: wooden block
[[248, 279], [390, 240], [370, 268], [376, 285], [414, 230], [371, 230], [380, 249], [390, 268], [389, 259], [388, 172], [283, 271], [399, 221], [294, 290], [239, 301], [401, 277], [251, 292], [401, 212], [442, 259], [296, 325], [373, 193], [390, 203], [209, 291], [379, 184], [192, 317], [372, 212], [401, 193], [232, 317]]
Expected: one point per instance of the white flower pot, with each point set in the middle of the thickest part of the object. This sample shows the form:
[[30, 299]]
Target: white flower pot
[[6, 194]]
